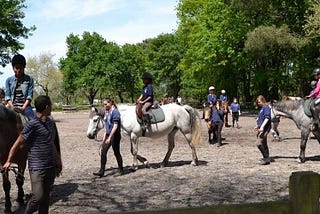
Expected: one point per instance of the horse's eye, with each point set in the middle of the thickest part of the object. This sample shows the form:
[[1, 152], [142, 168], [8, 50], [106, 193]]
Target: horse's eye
[[95, 120]]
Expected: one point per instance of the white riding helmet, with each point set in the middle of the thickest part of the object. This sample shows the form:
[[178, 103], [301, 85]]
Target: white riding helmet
[[223, 91], [211, 88]]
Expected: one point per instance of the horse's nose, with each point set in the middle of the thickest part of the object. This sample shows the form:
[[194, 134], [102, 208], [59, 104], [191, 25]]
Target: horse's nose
[[90, 136]]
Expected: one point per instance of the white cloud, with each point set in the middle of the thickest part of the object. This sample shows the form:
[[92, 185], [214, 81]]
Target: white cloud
[[76, 9]]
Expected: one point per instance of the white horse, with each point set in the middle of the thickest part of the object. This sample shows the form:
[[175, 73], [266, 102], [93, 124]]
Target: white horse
[[183, 118]]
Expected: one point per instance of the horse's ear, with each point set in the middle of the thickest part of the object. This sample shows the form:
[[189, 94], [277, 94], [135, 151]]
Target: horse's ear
[[273, 102], [95, 109]]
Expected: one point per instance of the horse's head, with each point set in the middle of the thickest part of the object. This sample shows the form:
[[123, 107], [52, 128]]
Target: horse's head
[[207, 113], [96, 123]]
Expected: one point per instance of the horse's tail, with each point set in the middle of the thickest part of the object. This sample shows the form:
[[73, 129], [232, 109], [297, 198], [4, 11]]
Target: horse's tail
[[195, 124]]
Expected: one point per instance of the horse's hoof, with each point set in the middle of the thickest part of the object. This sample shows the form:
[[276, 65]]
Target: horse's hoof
[[194, 163], [133, 168], [301, 160], [146, 163]]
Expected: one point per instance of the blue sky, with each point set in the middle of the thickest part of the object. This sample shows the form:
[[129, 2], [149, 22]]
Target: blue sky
[[120, 21]]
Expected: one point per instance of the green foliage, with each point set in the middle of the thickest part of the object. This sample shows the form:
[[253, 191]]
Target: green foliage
[[47, 77], [89, 64], [12, 28], [164, 54]]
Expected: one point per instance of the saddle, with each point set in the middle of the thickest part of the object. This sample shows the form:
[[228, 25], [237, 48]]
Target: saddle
[[156, 112], [307, 107]]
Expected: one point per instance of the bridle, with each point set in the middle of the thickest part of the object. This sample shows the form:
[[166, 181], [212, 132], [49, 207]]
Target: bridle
[[98, 120]]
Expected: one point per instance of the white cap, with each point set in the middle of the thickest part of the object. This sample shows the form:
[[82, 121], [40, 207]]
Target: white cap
[[211, 88], [223, 91]]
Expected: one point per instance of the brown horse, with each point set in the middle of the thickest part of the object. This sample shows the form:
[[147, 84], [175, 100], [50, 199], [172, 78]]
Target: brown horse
[[211, 127], [226, 110], [10, 126]]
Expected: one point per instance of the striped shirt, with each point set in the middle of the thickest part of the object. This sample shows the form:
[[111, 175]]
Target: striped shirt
[[18, 96], [38, 135]]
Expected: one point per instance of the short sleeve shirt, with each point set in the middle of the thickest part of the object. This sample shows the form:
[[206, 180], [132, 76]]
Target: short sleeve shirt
[[112, 117], [265, 112], [211, 98], [235, 107], [147, 91], [38, 135]]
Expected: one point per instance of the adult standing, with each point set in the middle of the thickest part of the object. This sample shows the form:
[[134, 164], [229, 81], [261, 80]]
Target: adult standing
[[112, 136], [44, 160], [263, 128], [19, 88]]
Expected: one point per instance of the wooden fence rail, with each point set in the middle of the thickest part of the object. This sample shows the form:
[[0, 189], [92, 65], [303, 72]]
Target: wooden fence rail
[[304, 193]]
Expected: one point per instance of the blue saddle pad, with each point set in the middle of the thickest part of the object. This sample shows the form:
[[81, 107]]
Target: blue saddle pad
[[157, 115]]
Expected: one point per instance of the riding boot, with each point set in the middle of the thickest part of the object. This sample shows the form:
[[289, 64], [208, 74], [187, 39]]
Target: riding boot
[[265, 153]]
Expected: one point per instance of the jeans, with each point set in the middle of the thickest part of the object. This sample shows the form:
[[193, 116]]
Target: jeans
[[29, 112], [41, 183]]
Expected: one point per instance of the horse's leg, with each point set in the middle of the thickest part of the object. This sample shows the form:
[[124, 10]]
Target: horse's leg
[[303, 144], [6, 187], [134, 152], [188, 137], [209, 133], [170, 147], [20, 182]]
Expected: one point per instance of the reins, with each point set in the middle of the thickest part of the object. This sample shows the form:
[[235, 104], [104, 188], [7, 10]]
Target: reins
[[13, 169]]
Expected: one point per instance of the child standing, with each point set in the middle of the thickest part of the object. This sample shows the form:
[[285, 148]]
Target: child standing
[[235, 112]]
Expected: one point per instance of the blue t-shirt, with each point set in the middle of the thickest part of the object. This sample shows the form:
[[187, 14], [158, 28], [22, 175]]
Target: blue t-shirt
[[265, 112], [111, 118], [211, 98], [38, 135], [235, 107], [216, 116], [223, 97], [147, 91]]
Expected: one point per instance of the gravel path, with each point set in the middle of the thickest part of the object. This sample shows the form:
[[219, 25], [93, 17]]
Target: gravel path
[[226, 174]]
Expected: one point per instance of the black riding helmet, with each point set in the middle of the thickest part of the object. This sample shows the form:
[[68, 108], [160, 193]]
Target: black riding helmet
[[316, 71], [146, 75], [18, 59]]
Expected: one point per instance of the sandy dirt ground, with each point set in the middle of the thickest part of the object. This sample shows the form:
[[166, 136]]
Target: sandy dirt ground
[[227, 174]]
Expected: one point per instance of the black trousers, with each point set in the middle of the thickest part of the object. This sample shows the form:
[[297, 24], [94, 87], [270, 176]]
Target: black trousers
[[115, 143]]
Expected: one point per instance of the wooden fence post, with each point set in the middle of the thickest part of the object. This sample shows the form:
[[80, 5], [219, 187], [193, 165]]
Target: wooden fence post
[[304, 192]]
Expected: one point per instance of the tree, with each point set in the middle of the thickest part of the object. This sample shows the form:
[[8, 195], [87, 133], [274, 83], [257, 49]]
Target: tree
[[12, 28], [164, 56], [131, 64], [213, 33], [47, 77], [89, 63]]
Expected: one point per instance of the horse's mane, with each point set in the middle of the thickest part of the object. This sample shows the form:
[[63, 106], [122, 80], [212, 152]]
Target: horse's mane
[[95, 111], [7, 115], [286, 105]]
